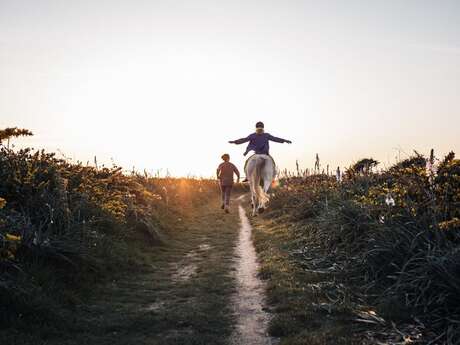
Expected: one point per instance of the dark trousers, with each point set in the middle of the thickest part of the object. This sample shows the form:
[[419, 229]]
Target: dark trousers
[[226, 192]]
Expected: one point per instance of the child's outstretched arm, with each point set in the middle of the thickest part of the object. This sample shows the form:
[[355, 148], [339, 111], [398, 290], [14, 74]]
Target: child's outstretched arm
[[240, 141], [278, 140]]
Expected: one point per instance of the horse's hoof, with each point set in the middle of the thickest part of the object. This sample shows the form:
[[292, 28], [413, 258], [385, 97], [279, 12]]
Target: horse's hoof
[[261, 210]]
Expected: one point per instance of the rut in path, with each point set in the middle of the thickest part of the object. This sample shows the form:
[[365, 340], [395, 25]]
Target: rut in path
[[249, 300]]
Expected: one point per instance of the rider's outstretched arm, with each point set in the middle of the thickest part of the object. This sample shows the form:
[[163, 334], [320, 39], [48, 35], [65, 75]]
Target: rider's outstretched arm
[[278, 140], [240, 141]]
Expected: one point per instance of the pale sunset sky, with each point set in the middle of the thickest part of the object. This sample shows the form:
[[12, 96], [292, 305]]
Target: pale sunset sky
[[164, 84]]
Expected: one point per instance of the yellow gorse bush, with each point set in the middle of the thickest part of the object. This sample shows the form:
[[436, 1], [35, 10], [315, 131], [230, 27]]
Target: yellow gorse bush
[[450, 224], [13, 238], [9, 246]]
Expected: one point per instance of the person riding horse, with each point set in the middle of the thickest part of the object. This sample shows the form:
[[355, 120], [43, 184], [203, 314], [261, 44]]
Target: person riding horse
[[259, 142]]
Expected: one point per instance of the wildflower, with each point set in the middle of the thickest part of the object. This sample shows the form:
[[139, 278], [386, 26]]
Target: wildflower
[[338, 175], [450, 224], [429, 167], [382, 219], [13, 238], [156, 196], [389, 200]]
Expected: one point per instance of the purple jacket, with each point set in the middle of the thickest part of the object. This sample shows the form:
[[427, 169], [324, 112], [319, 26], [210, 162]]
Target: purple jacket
[[259, 143]]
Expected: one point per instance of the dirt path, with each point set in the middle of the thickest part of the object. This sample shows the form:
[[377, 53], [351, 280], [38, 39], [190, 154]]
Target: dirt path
[[200, 287], [249, 299]]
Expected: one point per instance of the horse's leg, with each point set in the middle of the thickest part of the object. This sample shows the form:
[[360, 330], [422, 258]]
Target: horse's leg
[[254, 203], [267, 185], [262, 198], [264, 192], [255, 195]]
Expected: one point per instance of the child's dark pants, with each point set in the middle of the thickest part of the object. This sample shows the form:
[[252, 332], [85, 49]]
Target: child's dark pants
[[226, 192]]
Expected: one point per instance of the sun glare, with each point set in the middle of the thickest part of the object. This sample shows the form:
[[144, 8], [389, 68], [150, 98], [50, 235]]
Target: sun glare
[[168, 91]]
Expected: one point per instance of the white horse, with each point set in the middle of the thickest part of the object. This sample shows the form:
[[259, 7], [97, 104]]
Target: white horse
[[260, 171]]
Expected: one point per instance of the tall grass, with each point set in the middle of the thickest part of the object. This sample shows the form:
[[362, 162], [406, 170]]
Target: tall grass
[[394, 236]]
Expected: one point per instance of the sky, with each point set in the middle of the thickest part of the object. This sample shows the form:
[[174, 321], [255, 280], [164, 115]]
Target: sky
[[164, 85]]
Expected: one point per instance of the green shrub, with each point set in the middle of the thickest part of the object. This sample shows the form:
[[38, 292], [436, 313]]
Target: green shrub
[[394, 234]]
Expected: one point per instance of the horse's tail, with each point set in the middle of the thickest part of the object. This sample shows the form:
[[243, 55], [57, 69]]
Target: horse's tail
[[260, 164]]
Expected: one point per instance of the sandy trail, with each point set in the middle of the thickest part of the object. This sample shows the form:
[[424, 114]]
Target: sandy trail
[[249, 300]]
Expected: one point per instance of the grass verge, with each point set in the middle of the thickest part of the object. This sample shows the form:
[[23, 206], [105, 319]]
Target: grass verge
[[174, 293], [301, 300]]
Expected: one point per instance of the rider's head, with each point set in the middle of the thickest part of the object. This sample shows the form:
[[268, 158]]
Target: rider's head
[[225, 157], [259, 127]]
